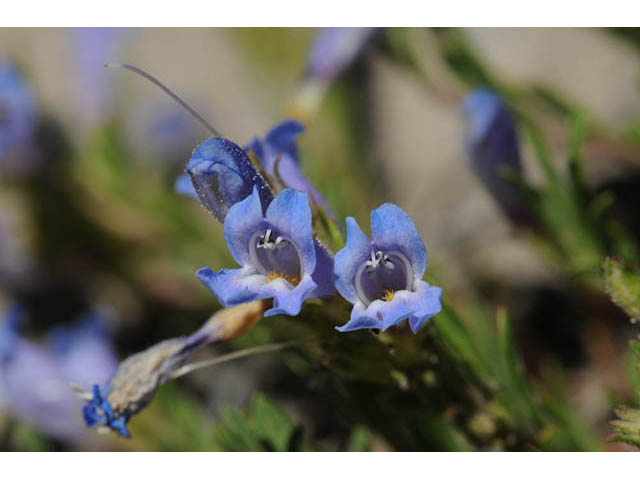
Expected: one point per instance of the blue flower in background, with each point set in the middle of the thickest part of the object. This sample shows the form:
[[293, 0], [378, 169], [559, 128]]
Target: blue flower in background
[[93, 47], [35, 380], [491, 143], [171, 132], [222, 175], [279, 146], [382, 277], [279, 257], [332, 51], [18, 112]]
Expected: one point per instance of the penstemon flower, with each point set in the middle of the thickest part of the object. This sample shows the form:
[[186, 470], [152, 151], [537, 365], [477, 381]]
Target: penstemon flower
[[91, 47], [35, 378], [222, 175], [277, 252], [278, 156], [332, 51], [382, 277], [492, 148]]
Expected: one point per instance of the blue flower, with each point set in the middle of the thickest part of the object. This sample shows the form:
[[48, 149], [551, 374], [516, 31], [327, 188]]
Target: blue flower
[[170, 132], [334, 49], [35, 379], [491, 143], [279, 146], [382, 277], [18, 112], [277, 252], [222, 175], [92, 48]]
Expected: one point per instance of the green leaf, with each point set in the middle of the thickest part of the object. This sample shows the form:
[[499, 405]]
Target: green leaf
[[360, 440], [627, 426], [264, 427], [446, 435], [623, 285], [462, 59], [542, 154], [576, 169]]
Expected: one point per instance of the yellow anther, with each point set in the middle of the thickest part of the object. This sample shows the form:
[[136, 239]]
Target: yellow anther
[[388, 295], [292, 279]]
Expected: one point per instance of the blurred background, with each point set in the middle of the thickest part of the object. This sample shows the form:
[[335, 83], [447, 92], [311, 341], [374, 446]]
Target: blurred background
[[98, 253]]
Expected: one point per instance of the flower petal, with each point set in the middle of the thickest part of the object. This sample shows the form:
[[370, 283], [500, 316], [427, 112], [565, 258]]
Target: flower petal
[[334, 49], [282, 137], [290, 214], [360, 320], [230, 286], [233, 287], [289, 302], [323, 273], [348, 260], [280, 143], [184, 186], [417, 307], [243, 220], [426, 305], [392, 228]]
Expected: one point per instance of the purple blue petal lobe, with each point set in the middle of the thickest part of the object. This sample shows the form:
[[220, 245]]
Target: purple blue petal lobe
[[184, 186], [349, 259], [282, 138], [279, 151], [290, 213], [241, 223], [392, 228]]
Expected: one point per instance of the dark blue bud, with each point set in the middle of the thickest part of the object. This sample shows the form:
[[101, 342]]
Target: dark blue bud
[[223, 175], [491, 143]]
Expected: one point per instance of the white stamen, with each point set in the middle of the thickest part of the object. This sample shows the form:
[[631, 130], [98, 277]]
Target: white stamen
[[371, 267], [265, 241], [378, 258]]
